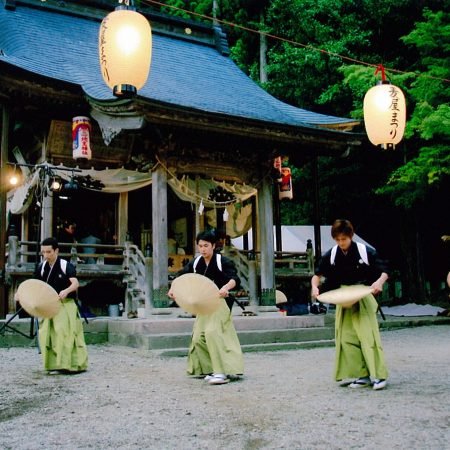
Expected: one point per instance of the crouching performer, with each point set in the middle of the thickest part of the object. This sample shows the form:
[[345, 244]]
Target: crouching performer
[[215, 352], [61, 338]]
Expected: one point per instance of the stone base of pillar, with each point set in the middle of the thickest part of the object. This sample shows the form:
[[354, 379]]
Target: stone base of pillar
[[158, 311], [263, 309]]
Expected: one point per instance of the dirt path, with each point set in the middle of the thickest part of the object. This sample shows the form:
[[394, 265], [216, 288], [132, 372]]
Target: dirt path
[[132, 399]]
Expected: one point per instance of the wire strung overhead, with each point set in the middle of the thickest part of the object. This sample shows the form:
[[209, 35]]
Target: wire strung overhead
[[290, 41]]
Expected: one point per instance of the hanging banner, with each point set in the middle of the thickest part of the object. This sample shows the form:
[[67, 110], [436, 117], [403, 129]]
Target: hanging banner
[[285, 186], [81, 138]]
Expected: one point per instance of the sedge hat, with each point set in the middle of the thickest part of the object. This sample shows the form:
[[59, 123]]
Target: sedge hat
[[280, 297], [196, 294], [38, 299], [345, 296]]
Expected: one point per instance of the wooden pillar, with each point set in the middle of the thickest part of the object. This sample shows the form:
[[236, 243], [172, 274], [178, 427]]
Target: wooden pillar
[[24, 232], [3, 187], [277, 219], [265, 212], [254, 224], [317, 234], [160, 236], [122, 219], [199, 218], [47, 217]]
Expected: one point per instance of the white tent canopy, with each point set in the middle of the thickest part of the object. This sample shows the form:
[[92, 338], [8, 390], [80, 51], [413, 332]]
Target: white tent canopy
[[294, 238]]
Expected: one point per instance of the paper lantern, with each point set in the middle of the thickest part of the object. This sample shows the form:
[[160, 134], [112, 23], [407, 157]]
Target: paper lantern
[[385, 115], [81, 138], [285, 186], [125, 51]]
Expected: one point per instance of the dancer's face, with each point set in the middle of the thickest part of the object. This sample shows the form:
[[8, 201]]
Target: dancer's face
[[206, 249], [343, 241], [49, 253]]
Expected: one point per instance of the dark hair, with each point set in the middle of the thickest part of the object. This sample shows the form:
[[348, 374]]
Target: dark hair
[[51, 241], [208, 236], [342, 226]]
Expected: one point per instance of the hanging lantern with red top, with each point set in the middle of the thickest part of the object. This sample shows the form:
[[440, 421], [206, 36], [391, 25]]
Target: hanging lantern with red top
[[285, 186], [384, 113], [125, 50], [81, 138]]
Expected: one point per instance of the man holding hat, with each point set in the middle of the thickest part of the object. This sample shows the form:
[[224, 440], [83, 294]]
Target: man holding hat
[[215, 351], [61, 337], [359, 353]]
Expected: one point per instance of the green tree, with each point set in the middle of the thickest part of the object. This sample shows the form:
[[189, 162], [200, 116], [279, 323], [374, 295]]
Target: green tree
[[419, 185]]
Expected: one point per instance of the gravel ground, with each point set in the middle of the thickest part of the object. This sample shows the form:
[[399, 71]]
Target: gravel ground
[[134, 399]]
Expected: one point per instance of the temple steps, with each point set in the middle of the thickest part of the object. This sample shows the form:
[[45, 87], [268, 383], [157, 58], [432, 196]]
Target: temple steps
[[170, 335]]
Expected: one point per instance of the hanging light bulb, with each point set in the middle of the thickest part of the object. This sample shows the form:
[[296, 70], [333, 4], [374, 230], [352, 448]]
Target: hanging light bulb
[[125, 50], [201, 207], [56, 184], [384, 113], [14, 178]]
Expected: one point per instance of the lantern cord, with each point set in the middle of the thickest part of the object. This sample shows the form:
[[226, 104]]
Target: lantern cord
[[290, 41], [380, 68]]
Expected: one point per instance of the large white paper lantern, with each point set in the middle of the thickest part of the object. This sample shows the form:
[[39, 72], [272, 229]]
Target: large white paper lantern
[[125, 51], [385, 115]]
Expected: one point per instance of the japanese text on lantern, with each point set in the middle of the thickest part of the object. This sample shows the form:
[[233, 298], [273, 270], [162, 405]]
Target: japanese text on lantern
[[394, 107], [102, 48]]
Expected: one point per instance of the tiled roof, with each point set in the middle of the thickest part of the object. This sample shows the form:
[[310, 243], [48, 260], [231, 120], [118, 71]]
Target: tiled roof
[[184, 73]]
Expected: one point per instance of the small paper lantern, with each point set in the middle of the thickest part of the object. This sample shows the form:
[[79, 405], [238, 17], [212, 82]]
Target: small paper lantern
[[385, 114], [125, 51], [81, 138], [285, 186]]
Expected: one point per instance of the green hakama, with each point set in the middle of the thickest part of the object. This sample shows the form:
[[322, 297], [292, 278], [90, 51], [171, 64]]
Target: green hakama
[[62, 340], [358, 344], [215, 346]]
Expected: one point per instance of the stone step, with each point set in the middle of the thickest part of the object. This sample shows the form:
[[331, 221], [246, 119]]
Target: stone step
[[182, 352], [246, 337], [174, 324]]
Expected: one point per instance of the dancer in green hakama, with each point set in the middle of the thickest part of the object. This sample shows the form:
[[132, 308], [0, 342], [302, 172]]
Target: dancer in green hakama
[[61, 338], [358, 344], [215, 352], [359, 353]]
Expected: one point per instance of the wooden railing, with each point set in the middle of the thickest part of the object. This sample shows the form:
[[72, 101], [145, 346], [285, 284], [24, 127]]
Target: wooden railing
[[138, 278], [22, 256], [106, 263], [300, 264], [288, 265]]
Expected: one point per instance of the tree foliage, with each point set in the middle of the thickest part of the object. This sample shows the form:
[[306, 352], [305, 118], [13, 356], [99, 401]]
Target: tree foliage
[[378, 190]]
